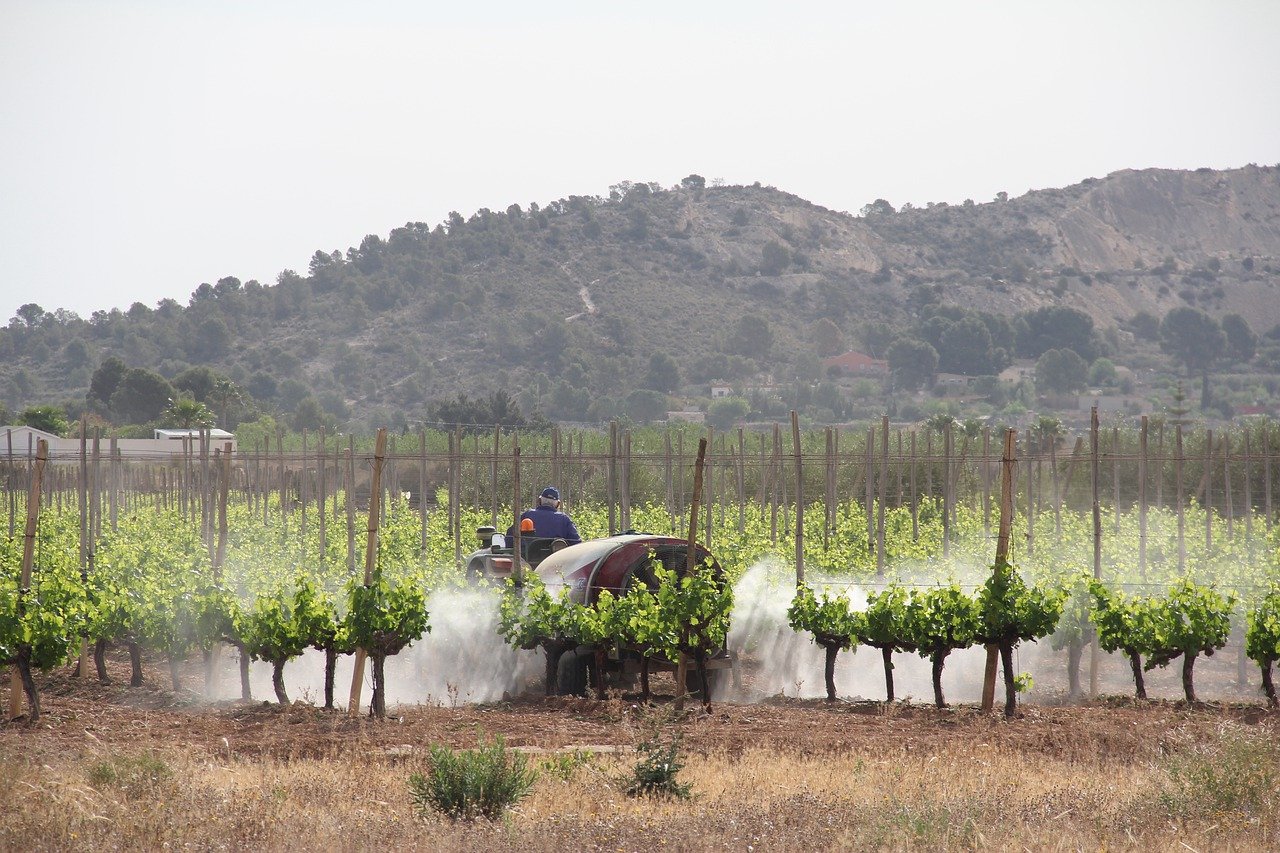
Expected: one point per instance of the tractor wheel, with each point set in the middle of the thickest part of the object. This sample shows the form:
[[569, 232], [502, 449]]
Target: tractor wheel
[[571, 674]]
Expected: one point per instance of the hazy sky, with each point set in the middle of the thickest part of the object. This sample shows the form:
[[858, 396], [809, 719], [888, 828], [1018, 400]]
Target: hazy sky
[[146, 147]]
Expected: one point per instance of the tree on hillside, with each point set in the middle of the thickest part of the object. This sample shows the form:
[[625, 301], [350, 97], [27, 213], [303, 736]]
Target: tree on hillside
[[141, 396], [693, 182], [103, 384], [663, 373], [1194, 338], [912, 363], [1062, 371], [966, 348], [827, 337], [751, 336], [1056, 327], [482, 413], [1242, 342]]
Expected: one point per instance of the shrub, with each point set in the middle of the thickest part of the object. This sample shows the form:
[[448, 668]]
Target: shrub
[[655, 773], [470, 783], [132, 775]]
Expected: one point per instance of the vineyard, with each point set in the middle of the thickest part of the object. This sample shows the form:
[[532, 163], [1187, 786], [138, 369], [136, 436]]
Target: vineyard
[[144, 602], [259, 555]]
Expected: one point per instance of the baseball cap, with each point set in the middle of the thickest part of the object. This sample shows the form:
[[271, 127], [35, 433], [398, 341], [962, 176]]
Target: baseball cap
[[550, 492]]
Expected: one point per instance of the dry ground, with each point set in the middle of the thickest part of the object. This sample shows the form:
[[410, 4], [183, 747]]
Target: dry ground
[[113, 768]]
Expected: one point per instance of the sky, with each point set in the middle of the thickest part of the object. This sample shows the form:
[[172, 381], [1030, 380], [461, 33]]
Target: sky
[[147, 147]]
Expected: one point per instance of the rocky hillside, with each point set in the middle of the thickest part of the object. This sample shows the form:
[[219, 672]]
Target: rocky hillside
[[566, 304]]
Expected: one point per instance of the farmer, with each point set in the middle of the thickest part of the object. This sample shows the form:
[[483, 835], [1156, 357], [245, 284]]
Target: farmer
[[548, 521]]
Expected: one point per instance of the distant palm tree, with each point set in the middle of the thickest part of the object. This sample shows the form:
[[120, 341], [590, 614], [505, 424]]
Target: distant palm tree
[[187, 413]]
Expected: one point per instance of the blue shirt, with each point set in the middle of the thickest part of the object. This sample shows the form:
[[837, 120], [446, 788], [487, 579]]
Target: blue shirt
[[551, 523]]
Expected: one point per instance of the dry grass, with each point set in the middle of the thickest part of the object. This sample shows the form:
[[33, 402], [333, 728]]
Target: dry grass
[[139, 769], [963, 794]]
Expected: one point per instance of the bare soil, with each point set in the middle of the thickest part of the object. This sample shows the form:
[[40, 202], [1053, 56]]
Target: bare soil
[[781, 774]]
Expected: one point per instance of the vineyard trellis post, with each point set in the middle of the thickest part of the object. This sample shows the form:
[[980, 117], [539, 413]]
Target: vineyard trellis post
[[682, 663], [868, 486], [708, 490], [348, 501], [1031, 498], [517, 564], [914, 502], [799, 461], [1142, 498], [8, 482], [884, 494], [1208, 493], [742, 482], [1097, 537], [1007, 462], [370, 558], [20, 683], [1181, 498]]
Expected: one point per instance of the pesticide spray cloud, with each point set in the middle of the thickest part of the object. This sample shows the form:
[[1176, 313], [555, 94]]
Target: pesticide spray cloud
[[782, 662], [461, 660]]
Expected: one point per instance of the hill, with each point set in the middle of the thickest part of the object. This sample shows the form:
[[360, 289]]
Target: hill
[[565, 305]]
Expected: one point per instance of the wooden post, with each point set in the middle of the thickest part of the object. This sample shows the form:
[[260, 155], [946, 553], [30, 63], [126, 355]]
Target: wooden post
[[829, 507], [8, 482], [1097, 538], [349, 504], [775, 470], [1227, 502], [799, 461], [986, 481], [868, 490], [708, 485], [1248, 495], [884, 495], [28, 558], [666, 478], [1142, 498], [625, 497], [1266, 474], [1182, 519], [946, 490], [370, 558], [1031, 498], [493, 472], [82, 494], [302, 494], [612, 485], [1208, 493], [517, 564], [915, 503], [742, 482], [1115, 478], [682, 666], [114, 449], [1007, 463]]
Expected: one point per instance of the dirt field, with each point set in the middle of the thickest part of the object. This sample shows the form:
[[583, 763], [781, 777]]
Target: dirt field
[[116, 768]]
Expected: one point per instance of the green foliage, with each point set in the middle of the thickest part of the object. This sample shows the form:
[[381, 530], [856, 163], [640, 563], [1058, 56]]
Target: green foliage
[[1012, 612], [655, 772], [1191, 619], [48, 418], [1061, 371], [883, 624], [467, 784], [1239, 774], [1262, 637], [829, 619], [132, 775], [941, 620], [385, 616], [692, 614]]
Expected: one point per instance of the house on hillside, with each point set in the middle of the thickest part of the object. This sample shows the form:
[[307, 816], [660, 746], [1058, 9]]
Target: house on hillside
[[718, 391], [855, 364]]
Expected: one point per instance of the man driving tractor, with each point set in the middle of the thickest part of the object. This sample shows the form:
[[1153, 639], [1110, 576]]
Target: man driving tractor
[[547, 521]]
